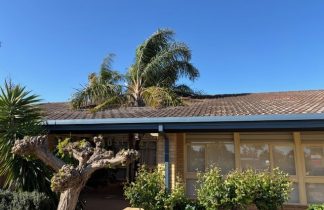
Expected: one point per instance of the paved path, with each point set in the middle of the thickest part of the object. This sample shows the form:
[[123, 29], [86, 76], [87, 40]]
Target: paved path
[[103, 201]]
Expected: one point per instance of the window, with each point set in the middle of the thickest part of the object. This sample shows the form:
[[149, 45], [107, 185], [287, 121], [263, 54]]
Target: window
[[148, 153], [294, 195], [221, 154], [255, 156], [196, 158], [314, 160], [283, 157], [217, 153], [191, 185], [315, 193]]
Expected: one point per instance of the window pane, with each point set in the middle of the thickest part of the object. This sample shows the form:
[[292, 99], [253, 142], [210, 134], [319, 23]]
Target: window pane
[[294, 195], [195, 158], [315, 193], [254, 156], [283, 157], [221, 154], [314, 160], [148, 153], [191, 188]]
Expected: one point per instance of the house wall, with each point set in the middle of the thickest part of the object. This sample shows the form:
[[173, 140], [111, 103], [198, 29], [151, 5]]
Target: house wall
[[308, 188]]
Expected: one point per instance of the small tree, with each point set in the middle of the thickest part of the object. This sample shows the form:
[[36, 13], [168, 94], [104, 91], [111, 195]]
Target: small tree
[[70, 179]]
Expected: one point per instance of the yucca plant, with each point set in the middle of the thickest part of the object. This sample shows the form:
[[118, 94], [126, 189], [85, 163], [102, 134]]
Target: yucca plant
[[19, 117]]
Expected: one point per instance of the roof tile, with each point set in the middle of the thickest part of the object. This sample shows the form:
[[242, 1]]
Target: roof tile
[[292, 102]]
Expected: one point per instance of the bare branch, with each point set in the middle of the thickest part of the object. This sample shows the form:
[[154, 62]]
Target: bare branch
[[38, 146], [123, 157]]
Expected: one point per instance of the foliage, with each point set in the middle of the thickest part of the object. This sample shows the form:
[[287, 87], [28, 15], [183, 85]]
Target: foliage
[[193, 205], [148, 191], [238, 189], [103, 89], [60, 153], [268, 190], [272, 190], [19, 117], [159, 63], [151, 81], [177, 199], [316, 207], [24, 201], [210, 191]]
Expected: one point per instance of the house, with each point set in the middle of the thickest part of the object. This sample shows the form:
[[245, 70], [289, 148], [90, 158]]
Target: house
[[259, 130]]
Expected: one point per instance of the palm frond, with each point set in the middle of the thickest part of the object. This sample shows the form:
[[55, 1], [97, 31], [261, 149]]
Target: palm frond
[[159, 97], [111, 102], [100, 88], [169, 65]]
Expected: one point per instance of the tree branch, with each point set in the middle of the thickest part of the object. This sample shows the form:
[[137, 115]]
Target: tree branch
[[123, 157], [81, 151], [38, 146]]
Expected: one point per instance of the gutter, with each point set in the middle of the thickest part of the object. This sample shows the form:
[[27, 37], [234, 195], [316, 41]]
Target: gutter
[[205, 123]]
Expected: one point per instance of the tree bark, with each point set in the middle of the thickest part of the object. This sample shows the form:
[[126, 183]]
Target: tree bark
[[69, 199], [68, 179]]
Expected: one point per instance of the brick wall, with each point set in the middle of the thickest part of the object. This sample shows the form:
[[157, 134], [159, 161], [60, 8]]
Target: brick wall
[[180, 155]]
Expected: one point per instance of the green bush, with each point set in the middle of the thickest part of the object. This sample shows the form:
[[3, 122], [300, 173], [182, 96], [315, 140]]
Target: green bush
[[24, 201], [268, 190], [316, 207], [272, 190], [149, 192], [238, 189], [210, 191]]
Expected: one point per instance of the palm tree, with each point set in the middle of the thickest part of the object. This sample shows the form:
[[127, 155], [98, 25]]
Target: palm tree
[[102, 90], [159, 63], [19, 117], [151, 81]]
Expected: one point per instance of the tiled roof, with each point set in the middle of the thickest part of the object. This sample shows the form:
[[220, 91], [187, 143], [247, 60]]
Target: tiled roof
[[292, 102]]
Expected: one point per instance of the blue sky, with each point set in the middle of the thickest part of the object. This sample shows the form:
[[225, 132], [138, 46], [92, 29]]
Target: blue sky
[[239, 46]]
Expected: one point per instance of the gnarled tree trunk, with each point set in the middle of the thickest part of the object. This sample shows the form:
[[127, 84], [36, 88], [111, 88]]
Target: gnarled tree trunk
[[69, 179], [69, 199]]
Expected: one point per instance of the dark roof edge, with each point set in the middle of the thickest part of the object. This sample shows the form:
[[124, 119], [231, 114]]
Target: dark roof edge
[[190, 124], [205, 119]]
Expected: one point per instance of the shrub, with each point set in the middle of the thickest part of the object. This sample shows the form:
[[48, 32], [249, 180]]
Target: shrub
[[272, 190], [24, 201], [268, 190], [316, 207], [210, 191], [238, 189], [193, 205], [148, 191], [177, 198]]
